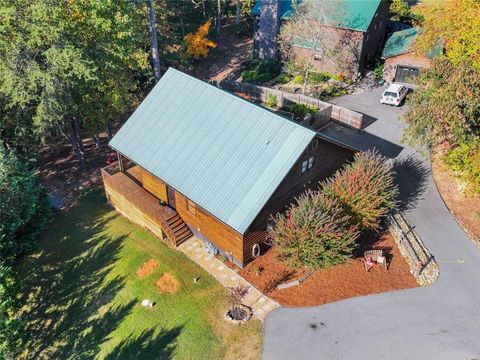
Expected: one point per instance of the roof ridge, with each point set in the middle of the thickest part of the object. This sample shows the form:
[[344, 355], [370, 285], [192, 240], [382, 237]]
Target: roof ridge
[[240, 99]]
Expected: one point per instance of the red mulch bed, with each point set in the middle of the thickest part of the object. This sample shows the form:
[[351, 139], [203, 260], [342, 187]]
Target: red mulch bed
[[334, 283]]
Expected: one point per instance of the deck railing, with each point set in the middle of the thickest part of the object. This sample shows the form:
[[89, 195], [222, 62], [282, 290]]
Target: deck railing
[[136, 203]]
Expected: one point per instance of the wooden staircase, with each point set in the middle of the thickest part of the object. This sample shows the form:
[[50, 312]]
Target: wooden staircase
[[176, 229]]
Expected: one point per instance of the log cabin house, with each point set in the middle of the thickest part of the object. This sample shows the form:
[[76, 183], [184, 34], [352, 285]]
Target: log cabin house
[[195, 160]]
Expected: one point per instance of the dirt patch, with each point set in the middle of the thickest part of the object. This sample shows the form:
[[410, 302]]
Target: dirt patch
[[167, 284], [464, 207], [332, 284], [60, 173], [225, 60], [147, 268]]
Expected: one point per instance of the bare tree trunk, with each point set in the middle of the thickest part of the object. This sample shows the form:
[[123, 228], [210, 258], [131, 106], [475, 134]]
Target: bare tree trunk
[[154, 41], [305, 80], [237, 13], [182, 26], [74, 142], [204, 10], [78, 135], [108, 128], [219, 17], [97, 142]]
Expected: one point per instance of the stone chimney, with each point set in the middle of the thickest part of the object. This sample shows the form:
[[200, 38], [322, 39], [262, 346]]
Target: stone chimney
[[268, 29]]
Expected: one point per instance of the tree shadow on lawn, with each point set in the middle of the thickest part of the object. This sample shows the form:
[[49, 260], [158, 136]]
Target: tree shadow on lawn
[[67, 289], [148, 345]]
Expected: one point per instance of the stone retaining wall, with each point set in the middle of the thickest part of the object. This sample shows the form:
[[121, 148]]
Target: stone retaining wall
[[422, 264]]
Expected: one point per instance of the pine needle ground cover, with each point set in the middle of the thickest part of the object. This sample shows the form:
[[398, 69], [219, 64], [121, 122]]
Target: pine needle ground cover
[[83, 296]]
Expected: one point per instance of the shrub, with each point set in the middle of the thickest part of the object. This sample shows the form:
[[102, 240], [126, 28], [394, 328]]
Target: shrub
[[378, 71], [318, 77], [24, 211], [465, 160], [264, 71], [237, 293], [271, 101], [248, 75], [314, 233], [283, 78], [365, 188], [24, 207], [299, 110], [269, 67], [298, 79]]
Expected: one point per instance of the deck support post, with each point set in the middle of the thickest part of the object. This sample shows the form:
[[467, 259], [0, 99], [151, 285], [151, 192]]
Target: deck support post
[[120, 162]]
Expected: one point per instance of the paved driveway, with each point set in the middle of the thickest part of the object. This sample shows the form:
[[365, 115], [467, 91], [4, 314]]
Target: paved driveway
[[441, 321]]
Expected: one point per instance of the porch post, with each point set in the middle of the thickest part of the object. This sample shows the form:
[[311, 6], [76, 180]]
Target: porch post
[[120, 162]]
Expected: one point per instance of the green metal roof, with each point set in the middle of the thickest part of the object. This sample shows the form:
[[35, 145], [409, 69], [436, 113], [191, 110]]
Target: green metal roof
[[351, 14], [224, 153], [401, 42]]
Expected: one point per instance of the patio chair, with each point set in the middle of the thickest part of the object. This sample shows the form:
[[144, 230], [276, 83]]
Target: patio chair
[[373, 257]]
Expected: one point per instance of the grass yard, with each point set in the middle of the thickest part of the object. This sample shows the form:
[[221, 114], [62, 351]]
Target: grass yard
[[83, 296]]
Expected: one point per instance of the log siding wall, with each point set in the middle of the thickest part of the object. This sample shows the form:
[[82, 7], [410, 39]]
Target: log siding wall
[[201, 221], [328, 158]]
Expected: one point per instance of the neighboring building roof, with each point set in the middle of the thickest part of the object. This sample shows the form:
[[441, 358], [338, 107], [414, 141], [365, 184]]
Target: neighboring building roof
[[401, 42], [352, 14], [226, 154]]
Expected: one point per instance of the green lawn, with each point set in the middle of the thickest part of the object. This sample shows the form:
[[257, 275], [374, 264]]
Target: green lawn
[[83, 296]]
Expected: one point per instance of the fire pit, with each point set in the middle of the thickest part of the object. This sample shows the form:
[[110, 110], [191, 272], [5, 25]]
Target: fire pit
[[239, 314]]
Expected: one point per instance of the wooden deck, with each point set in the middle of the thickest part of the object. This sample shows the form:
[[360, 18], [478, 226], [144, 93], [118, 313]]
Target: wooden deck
[[130, 199]]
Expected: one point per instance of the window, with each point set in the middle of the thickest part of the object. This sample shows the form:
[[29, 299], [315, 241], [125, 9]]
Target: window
[[191, 207], [311, 160], [304, 166], [308, 164]]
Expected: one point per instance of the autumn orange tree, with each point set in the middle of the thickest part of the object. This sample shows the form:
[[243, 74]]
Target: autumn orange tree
[[197, 44]]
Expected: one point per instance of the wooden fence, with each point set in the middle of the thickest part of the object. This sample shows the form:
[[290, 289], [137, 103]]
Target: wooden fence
[[285, 99]]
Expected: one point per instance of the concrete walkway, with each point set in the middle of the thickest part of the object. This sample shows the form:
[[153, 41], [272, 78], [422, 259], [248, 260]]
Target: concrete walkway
[[260, 304], [441, 321]]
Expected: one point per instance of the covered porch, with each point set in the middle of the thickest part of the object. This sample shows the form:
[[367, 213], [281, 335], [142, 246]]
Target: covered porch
[[125, 192]]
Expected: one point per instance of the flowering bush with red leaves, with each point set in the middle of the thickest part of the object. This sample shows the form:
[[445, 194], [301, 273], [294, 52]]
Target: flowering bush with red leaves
[[365, 188], [314, 232]]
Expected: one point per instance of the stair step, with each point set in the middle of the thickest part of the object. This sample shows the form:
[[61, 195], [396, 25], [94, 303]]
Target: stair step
[[179, 240], [175, 223], [181, 231]]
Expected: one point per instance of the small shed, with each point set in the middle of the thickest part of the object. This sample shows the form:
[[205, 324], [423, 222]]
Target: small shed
[[402, 63]]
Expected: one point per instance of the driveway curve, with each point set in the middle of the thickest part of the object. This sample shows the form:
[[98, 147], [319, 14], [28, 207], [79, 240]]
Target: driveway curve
[[441, 321]]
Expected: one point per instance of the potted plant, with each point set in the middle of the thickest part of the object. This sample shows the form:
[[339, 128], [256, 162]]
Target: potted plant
[[238, 313]]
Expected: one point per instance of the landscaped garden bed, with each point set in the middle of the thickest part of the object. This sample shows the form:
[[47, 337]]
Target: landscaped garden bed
[[333, 283]]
